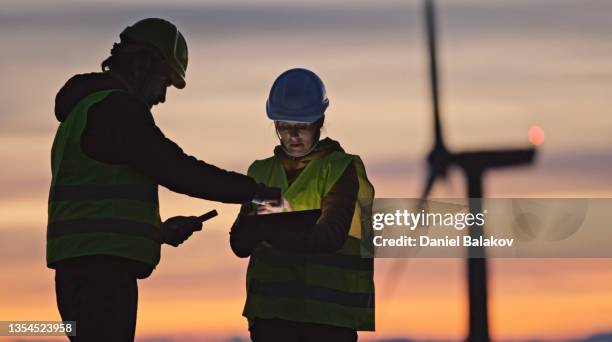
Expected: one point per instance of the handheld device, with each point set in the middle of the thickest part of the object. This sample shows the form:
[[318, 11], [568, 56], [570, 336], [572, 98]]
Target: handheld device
[[208, 215]]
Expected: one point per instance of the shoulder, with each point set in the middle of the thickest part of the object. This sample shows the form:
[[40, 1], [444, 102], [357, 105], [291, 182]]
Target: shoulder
[[355, 170], [337, 160], [348, 157], [120, 105], [261, 164], [342, 178]]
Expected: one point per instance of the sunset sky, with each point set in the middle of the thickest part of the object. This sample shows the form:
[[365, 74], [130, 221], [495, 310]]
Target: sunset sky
[[505, 66]]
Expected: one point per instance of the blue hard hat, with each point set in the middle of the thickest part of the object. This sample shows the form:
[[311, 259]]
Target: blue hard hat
[[297, 95]]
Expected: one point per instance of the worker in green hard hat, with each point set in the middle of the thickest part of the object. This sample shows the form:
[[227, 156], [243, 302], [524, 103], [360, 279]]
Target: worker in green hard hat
[[104, 229], [307, 280]]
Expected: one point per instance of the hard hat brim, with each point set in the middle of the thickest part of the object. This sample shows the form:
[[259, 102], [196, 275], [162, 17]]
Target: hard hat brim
[[291, 117]]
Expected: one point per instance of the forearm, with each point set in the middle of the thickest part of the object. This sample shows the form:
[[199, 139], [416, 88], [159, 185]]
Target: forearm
[[121, 131], [166, 163], [320, 238], [244, 238], [187, 175]]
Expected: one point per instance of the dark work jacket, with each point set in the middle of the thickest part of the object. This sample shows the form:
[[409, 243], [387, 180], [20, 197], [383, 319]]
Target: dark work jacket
[[327, 235], [120, 130]]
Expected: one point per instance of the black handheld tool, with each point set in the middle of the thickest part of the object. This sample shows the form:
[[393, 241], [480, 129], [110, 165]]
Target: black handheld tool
[[208, 215]]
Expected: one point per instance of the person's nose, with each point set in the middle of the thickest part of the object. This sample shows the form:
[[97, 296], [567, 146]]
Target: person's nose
[[294, 133]]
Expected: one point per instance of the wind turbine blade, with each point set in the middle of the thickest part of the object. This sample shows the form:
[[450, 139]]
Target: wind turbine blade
[[488, 159], [430, 25]]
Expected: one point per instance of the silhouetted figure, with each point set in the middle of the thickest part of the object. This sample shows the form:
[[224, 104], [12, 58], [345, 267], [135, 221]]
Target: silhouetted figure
[[108, 158], [306, 280]]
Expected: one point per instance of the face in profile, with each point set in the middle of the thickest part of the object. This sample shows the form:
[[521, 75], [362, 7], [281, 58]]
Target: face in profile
[[154, 82], [297, 138], [154, 91]]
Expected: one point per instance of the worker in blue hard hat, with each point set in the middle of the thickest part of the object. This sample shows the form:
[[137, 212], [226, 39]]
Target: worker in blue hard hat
[[108, 158], [309, 282]]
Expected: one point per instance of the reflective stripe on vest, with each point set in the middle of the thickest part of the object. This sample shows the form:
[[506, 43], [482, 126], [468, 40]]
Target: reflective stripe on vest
[[97, 208], [326, 288]]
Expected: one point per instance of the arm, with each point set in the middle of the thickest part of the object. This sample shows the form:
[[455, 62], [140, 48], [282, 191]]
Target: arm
[[243, 239], [121, 130]]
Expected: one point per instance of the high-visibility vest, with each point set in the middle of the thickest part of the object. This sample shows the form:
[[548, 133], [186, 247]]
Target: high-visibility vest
[[326, 288], [97, 208]]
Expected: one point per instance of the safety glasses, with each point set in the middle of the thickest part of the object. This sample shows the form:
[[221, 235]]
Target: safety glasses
[[287, 128]]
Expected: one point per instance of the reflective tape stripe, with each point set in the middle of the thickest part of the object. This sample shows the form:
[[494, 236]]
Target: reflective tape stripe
[[349, 262], [302, 291], [111, 208], [144, 193], [102, 225]]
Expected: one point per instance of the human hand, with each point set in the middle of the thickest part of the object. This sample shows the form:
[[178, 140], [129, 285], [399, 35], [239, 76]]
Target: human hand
[[267, 194], [176, 230], [268, 207]]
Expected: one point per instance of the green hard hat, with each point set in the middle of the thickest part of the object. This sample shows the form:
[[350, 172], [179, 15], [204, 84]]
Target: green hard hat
[[168, 39]]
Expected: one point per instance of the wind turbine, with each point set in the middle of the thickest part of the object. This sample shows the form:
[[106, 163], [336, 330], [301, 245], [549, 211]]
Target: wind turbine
[[474, 165]]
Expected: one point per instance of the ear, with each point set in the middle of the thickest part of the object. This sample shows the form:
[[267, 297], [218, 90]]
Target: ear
[[143, 65]]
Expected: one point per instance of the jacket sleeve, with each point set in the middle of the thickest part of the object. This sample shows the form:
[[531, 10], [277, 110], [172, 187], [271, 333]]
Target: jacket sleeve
[[121, 130], [244, 238]]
